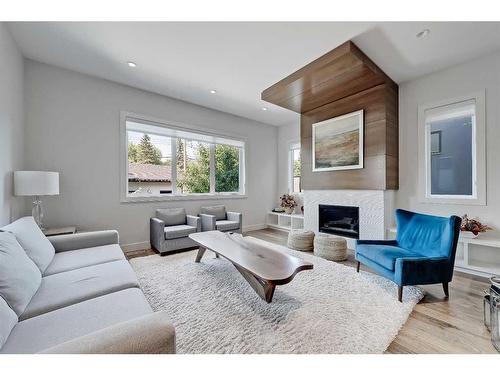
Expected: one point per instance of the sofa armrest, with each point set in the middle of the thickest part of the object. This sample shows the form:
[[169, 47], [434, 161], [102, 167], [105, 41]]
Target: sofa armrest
[[148, 334], [207, 222], [67, 242], [423, 270], [194, 221], [377, 242], [235, 216], [156, 233]]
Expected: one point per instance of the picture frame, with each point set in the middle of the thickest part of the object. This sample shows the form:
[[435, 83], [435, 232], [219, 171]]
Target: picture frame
[[337, 143]]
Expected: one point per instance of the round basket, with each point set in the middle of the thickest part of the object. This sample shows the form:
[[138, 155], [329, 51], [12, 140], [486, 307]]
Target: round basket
[[330, 247], [302, 240]]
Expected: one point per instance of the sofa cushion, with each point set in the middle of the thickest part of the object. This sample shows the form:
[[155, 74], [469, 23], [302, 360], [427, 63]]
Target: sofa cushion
[[67, 288], [8, 319], [178, 231], [74, 259], [33, 241], [384, 255], [46, 330], [172, 216], [218, 211], [19, 277], [225, 225]]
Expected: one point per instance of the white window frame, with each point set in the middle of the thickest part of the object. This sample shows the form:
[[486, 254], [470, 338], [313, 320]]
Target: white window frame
[[124, 196], [291, 147], [478, 196]]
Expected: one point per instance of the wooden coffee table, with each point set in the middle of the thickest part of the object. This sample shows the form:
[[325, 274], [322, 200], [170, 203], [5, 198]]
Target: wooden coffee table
[[262, 267]]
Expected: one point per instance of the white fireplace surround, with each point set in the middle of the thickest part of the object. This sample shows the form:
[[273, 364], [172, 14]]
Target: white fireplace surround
[[376, 210]]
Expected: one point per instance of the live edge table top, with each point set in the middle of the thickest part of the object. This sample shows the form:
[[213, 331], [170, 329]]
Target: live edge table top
[[261, 266]]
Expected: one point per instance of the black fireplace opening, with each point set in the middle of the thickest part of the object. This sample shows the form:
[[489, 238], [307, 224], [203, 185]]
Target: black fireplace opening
[[340, 220]]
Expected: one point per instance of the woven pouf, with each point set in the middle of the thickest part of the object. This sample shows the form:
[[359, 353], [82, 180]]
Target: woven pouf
[[330, 247], [300, 239]]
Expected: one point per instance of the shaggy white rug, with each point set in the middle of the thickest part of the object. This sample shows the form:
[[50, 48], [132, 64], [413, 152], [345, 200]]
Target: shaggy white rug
[[330, 309]]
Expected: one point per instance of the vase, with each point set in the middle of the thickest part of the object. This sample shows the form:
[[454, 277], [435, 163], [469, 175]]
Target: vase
[[289, 210], [468, 234]]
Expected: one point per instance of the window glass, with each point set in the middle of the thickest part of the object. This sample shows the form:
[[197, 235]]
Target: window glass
[[164, 161], [450, 138], [149, 164], [295, 170], [227, 169], [194, 177]]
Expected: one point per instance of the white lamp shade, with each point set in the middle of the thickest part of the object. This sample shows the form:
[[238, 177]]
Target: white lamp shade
[[36, 183]]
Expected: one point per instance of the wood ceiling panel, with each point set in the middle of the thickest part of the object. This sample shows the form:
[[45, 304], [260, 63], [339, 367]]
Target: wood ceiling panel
[[340, 73]]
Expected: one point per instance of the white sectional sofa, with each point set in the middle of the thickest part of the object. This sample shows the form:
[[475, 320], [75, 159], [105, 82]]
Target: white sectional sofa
[[85, 296]]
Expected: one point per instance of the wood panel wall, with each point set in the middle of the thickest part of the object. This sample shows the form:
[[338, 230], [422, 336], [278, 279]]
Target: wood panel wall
[[380, 171], [343, 81]]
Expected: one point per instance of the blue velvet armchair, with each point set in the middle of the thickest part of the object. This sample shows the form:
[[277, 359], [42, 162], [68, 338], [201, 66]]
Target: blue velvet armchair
[[423, 252]]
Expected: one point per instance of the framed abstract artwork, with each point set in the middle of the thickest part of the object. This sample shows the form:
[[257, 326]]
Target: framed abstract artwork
[[337, 143]]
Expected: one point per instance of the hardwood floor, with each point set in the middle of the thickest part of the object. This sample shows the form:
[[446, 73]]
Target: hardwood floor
[[437, 324]]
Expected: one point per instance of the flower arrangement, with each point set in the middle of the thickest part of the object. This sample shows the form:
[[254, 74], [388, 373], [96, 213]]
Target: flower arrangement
[[288, 203], [473, 225]]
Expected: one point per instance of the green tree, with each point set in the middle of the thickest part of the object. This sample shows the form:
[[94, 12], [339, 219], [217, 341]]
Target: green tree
[[196, 177], [296, 168], [227, 169], [145, 152], [132, 153]]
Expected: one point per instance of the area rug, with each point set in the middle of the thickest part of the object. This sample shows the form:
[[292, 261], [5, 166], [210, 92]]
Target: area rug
[[330, 309]]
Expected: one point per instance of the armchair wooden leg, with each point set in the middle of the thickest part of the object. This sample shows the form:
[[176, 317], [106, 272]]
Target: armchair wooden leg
[[446, 290], [357, 267], [400, 293]]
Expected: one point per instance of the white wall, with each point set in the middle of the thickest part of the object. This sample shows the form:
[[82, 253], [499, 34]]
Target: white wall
[[480, 74], [11, 125], [72, 126], [287, 134]]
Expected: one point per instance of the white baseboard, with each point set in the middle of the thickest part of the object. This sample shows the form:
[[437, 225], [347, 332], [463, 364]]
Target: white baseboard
[[135, 246], [248, 228]]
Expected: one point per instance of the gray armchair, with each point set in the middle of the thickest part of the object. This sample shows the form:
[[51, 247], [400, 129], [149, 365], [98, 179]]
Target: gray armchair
[[170, 229], [216, 218]]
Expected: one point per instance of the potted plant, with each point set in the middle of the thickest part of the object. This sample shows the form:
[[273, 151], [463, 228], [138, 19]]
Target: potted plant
[[288, 203], [472, 227]]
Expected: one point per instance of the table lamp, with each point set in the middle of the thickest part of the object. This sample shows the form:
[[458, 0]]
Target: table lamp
[[36, 184]]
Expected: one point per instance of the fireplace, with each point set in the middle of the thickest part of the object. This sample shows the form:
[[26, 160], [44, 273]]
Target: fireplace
[[340, 220]]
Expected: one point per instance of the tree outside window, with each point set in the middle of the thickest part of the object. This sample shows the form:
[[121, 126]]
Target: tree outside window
[[295, 157]]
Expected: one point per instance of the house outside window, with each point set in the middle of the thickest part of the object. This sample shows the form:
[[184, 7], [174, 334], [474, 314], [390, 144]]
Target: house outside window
[[452, 151], [164, 161]]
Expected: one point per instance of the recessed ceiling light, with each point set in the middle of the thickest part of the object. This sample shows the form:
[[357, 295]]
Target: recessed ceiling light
[[131, 64], [423, 33], [213, 91], [264, 108]]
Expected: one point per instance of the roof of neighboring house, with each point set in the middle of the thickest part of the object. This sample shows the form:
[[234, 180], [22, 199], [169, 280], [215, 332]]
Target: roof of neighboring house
[[149, 173]]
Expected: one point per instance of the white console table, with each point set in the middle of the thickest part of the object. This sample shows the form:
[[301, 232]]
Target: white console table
[[478, 256], [286, 222]]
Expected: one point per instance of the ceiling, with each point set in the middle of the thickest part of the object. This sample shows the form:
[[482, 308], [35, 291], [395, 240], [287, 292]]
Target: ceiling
[[186, 60]]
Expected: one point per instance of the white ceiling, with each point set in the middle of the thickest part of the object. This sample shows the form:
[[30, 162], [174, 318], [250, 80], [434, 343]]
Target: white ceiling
[[239, 60]]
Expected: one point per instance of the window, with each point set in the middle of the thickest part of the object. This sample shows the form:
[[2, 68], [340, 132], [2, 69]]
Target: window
[[193, 166], [170, 161], [294, 168], [227, 168], [149, 164], [453, 148]]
